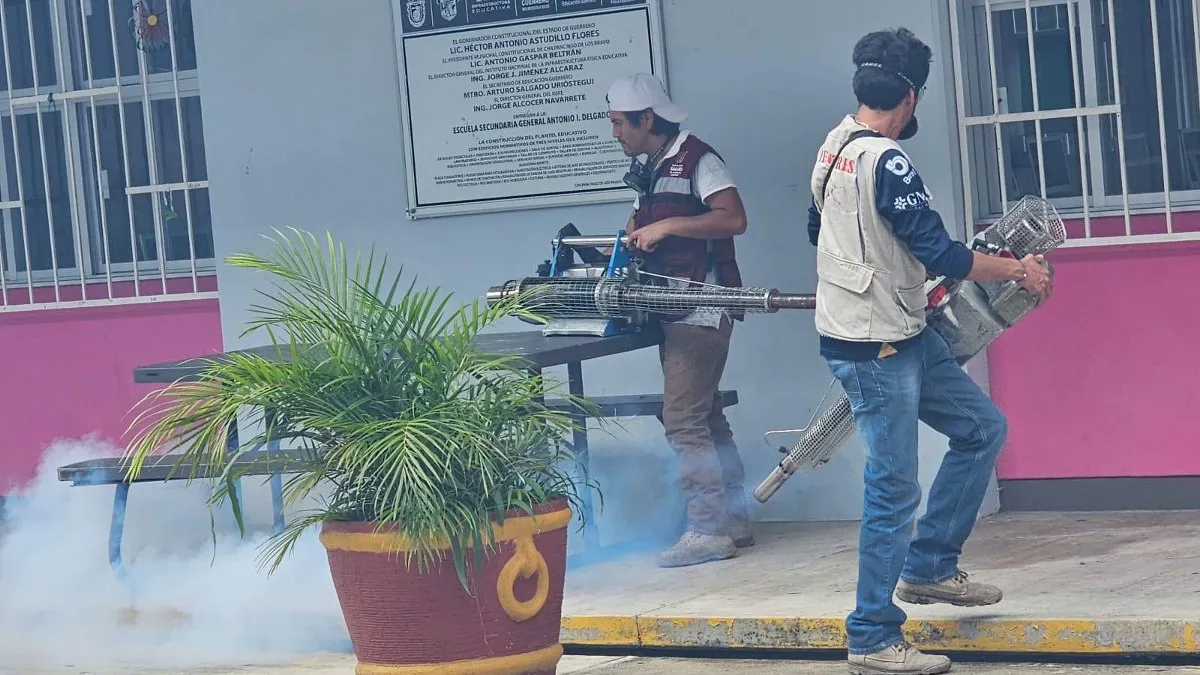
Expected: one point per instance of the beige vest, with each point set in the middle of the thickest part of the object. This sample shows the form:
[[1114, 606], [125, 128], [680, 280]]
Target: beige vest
[[869, 287]]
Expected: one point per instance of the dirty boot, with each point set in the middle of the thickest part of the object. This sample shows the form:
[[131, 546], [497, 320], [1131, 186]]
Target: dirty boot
[[694, 548], [957, 591], [900, 658]]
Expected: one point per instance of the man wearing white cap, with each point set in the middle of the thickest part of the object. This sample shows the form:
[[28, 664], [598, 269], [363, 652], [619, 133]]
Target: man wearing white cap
[[685, 216]]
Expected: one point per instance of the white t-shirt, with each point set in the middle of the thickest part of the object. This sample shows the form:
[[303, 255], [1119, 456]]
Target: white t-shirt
[[710, 177]]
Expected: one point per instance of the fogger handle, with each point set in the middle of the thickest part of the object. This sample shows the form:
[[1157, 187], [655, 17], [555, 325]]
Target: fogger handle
[[591, 240]]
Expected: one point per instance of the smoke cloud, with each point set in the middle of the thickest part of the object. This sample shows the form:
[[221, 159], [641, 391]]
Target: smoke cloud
[[183, 602], [641, 511], [186, 602]]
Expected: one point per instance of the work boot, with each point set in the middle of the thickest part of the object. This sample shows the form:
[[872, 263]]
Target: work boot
[[957, 591], [899, 658], [694, 548]]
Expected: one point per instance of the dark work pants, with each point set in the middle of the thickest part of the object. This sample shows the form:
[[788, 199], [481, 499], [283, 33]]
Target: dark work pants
[[711, 471]]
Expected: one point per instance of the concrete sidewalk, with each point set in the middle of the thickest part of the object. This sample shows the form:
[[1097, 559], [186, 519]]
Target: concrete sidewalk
[[1084, 583], [333, 664], [317, 664], [1075, 583]]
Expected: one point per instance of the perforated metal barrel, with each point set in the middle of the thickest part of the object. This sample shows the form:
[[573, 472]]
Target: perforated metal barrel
[[817, 446], [567, 297]]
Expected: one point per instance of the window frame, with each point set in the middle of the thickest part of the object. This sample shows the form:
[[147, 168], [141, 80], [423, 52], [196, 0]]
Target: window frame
[[983, 153], [75, 95]]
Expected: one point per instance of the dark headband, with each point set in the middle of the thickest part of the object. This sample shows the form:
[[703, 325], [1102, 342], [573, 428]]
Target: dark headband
[[900, 75]]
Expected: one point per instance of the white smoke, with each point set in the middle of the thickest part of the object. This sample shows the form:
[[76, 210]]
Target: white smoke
[[186, 602], [193, 604]]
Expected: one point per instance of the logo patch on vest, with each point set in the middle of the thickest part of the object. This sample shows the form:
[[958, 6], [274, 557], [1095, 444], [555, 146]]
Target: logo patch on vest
[[676, 168], [841, 164]]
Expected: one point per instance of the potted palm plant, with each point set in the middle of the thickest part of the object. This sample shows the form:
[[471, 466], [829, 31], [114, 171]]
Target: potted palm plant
[[443, 481]]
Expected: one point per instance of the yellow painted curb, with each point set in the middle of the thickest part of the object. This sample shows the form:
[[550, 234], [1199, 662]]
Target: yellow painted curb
[[1062, 636], [1016, 636]]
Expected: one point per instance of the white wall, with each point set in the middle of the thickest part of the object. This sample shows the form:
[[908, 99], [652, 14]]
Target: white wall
[[302, 128]]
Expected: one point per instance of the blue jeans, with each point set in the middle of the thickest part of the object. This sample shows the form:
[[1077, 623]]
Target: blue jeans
[[888, 397]]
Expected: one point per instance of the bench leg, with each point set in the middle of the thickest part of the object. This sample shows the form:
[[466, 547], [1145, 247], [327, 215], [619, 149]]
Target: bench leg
[[276, 493], [232, 445], [116, 529], [275, 480], [591, 534]]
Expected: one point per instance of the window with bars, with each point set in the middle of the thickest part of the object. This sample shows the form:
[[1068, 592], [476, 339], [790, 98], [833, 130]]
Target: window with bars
[[1039, 99], [103, 176]]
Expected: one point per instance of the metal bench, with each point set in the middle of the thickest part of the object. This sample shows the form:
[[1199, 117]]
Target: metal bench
[[111, 470], [169, 467], [635, 405]]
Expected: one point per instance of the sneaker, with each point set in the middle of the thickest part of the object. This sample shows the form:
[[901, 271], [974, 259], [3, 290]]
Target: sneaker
[[900, 658], [694, 548], [957, 591]]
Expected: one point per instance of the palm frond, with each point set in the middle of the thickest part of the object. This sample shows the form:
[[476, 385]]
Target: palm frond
[[408, 422]]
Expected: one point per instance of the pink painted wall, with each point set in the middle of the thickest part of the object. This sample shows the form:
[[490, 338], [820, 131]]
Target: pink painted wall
[[73, 292], [69, 372], [1102, 381]]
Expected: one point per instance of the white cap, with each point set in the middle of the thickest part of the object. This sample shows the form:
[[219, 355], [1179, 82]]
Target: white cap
[[640, 91]]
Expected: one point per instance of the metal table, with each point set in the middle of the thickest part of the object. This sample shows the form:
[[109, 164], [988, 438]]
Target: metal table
[[535, 350]]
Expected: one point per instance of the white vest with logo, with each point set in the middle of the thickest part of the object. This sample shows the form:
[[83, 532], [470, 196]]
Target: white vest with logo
[[870, 288]]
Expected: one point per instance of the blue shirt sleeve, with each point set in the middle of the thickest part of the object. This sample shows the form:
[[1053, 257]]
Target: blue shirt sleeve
[[901, 199], [814, 223]]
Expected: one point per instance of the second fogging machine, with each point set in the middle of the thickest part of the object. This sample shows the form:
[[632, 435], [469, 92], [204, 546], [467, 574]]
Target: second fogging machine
[[597, 285], [969, 315]]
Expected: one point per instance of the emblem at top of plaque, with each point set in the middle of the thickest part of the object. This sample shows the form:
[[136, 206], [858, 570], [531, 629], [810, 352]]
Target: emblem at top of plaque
[[416, 12]]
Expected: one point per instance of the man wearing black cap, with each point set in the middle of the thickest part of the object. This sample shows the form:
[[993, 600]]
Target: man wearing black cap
[[878, 239]]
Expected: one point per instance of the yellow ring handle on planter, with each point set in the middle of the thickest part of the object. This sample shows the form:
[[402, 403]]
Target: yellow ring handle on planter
[[525, 562]]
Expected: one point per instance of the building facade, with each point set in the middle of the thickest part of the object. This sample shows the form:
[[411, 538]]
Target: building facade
[[1093, 104], [293, 114], [106, 237]]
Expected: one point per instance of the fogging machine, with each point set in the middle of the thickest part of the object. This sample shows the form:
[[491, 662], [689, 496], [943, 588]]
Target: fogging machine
[[583, 290]]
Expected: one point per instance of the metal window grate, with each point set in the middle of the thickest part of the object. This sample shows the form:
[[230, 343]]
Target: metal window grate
[[1044, 109], [103, 179]]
